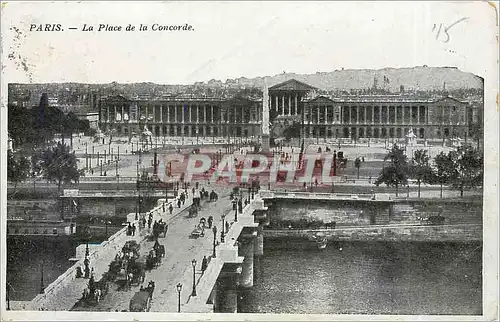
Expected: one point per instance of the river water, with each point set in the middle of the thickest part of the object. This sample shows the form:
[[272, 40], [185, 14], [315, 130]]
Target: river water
[[366, 278]]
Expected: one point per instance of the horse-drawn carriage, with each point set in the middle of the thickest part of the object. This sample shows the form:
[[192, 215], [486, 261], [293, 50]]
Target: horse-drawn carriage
[[199, 230], [141, 301], [193, 211], [155, 255], [93, 293], [341, 160], [131, 249], [159, 228]]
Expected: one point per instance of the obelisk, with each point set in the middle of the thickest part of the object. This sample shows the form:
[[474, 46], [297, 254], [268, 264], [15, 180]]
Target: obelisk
[[265, 118]]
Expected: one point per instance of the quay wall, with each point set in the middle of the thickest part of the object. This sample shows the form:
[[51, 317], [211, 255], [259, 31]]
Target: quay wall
[[410, 233]]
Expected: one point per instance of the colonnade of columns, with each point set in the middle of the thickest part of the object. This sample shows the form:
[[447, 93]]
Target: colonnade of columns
[[286, 104], [385, 114]]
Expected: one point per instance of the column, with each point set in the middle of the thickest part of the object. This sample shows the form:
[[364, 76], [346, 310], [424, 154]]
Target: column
[[283, 104], [122, 114], [227, 295], [168, 114], [182, 111], [357, 117], [276, 102], [411, 113], [212, 111], [114, 118], [161, 113], [205, 114], [289, 104], [350, 112], [107, 114], [246, 249], [296, 104], [418, 114]]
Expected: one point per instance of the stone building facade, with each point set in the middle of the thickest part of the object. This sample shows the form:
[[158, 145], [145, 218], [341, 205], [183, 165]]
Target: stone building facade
[[290, 102]]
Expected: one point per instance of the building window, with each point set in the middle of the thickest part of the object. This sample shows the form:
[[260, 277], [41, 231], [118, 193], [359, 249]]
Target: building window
[[54, 231]]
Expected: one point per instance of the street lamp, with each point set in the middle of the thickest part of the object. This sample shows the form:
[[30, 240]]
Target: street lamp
[[179, 289], [222, 233], [193, 262], [214, 229]]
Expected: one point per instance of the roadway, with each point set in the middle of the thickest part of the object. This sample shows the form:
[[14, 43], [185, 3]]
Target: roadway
[[176, 266]]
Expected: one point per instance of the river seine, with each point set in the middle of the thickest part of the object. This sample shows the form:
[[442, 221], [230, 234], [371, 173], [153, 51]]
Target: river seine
[[366, 278]]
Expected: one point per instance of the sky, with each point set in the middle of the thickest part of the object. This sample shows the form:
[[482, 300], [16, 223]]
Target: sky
[[241, 39]]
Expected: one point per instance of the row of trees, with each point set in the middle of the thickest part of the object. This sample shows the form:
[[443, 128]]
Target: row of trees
[[40, 123], [459, 169], [56, 164]]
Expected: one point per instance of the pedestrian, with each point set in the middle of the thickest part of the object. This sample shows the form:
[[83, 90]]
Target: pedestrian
[[133, 229], [171, 208], [363, 159], [150, 221], [179, 203], [163, 206], [227, 226], [204, 264]]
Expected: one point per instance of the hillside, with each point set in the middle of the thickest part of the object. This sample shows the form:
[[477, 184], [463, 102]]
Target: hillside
[[417, 78]]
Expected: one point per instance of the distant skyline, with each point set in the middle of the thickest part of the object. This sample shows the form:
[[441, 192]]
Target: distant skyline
[[244, 39]]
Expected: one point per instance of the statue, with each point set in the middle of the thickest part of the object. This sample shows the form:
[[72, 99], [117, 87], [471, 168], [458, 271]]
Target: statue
[[410, 138]]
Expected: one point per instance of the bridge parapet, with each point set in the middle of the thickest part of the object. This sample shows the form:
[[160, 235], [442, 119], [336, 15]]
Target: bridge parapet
[[226, 253]]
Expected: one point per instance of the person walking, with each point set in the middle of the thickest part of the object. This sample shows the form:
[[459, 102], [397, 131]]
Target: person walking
[[171, 208], [204, 264]]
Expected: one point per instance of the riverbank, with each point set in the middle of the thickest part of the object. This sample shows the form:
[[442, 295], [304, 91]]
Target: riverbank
[[411, 233]]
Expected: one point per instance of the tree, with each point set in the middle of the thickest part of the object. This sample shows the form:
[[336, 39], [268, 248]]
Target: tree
[[59, 165], [292, 131], [17, 168], [36, 167], [71, 125], [467, 168], [420, 168], [396, 173], [442, 170], [357, 164]]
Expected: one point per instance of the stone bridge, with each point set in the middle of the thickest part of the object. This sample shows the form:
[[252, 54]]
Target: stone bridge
[[231, 266]]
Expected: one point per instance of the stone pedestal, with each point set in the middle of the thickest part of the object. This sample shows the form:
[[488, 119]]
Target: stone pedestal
[[265, 143]]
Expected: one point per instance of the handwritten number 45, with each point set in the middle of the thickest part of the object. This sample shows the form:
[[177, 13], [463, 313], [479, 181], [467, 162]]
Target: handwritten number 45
[[444, 31]]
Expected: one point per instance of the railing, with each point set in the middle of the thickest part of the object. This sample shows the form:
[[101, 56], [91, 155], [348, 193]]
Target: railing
[[320, 195], [108, 178]]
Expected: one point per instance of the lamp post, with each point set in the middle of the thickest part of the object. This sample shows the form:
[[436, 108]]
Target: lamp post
[[179, 289], [86, 156], [107, 222], [214, 229], [193, 262], [222, 233]]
